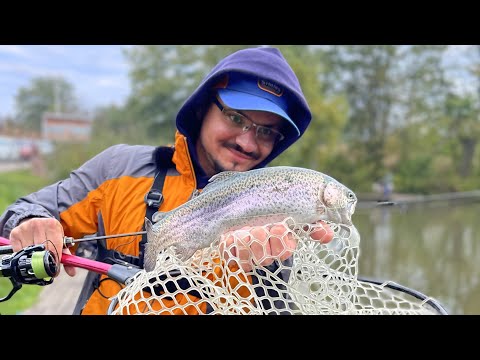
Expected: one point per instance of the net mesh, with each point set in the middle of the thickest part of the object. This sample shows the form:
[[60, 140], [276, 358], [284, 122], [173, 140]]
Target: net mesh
[[312, 278]]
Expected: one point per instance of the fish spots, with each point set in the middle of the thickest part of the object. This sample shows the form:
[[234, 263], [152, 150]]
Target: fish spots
[[235, 199]]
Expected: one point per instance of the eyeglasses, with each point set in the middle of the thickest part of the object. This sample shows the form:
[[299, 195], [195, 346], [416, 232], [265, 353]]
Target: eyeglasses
[[239, 121]]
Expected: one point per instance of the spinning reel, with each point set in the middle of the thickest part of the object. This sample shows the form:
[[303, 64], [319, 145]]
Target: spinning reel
[[31, 265]]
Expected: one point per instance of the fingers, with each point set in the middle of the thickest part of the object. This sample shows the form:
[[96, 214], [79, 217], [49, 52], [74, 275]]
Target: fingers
[[47, 231], [283, 243], [322, 232], [234, 248], [70, 270], [262, 245], [35, 231], [258, 245]]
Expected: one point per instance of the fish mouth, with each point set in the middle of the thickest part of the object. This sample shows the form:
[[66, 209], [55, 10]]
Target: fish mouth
[[337, 216]]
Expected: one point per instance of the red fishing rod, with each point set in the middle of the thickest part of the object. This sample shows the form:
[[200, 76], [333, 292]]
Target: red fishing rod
[[36, 265]]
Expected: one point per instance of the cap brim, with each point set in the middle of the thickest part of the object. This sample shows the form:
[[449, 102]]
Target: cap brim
[[242, 101]]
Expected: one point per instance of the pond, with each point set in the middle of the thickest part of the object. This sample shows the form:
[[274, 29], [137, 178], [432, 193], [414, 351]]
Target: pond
[[433, 248]]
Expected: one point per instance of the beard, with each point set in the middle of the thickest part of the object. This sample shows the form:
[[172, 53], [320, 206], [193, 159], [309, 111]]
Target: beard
[[219, 167], [216, 165]]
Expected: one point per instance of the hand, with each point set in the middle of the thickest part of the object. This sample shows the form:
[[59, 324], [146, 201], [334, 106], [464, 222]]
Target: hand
[[251, 246], [37, 231]]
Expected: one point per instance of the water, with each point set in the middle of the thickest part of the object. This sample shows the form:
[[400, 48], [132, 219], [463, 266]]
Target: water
[[433, 248]]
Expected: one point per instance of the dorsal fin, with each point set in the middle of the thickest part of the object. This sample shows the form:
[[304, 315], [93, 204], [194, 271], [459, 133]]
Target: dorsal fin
[[218, 179], [159, 215], [222, 176]]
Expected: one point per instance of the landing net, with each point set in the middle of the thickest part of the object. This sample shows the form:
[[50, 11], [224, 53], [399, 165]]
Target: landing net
[[316, 279]]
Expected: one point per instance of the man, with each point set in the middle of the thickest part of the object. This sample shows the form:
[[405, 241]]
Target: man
[[247, 110]]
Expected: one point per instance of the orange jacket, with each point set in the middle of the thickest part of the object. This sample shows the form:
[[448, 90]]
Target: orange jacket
[[120, 201]]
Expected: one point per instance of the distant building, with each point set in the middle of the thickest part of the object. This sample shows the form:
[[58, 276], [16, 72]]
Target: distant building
[[66, 127]]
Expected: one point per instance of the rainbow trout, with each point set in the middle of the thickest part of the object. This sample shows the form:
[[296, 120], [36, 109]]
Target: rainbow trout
[[233, 199]]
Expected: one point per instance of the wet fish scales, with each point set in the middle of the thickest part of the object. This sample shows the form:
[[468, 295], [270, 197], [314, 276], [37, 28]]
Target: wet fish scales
[[234, 199]]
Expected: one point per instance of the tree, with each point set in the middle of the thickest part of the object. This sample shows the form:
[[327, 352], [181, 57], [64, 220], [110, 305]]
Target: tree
[[44, 94], [161, 78], [329, 114], [387, 87], [464, 127]]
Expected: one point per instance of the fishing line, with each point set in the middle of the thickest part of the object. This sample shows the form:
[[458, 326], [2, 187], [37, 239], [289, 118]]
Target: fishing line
[[123, 244], [120, 285], [118, 259]]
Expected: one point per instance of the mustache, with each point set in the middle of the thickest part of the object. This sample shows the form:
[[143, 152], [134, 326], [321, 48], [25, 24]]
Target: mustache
[[254, 155]]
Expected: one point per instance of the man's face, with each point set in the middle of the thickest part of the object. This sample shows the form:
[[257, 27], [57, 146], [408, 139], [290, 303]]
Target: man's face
[[223, 146]]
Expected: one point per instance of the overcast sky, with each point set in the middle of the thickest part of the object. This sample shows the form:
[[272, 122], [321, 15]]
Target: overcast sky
[[99, 73]]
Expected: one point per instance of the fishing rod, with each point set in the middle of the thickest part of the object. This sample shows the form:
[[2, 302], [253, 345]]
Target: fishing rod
[[70, 241], [37, 265]]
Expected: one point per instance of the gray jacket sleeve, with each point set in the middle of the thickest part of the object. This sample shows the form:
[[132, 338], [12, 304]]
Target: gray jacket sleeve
[[51, 200]]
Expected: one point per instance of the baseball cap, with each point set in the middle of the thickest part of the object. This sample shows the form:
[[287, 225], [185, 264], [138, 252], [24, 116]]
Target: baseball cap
[[244, 92]]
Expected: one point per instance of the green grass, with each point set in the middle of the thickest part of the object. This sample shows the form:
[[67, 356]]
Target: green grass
[[12, 186]]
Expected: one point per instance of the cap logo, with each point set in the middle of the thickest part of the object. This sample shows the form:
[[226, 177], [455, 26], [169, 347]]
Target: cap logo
[[270, 87]]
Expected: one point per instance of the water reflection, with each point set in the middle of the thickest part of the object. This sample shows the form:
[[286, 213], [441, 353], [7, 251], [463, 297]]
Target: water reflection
[[433, 248]]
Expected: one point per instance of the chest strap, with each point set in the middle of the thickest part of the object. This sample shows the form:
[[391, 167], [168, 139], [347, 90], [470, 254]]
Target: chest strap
[[153, 199]]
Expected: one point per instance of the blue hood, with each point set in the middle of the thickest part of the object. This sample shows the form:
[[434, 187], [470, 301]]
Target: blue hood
[[264, 62]]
